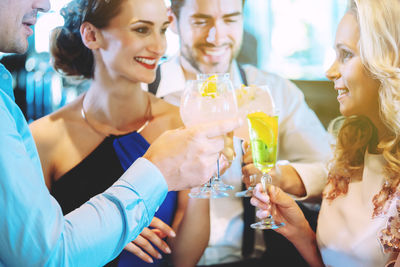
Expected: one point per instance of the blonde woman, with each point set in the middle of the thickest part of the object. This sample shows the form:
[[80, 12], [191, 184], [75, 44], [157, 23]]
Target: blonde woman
[[359, 221]]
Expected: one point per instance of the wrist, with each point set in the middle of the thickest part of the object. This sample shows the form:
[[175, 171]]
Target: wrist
[[303, 235], [291, 181]]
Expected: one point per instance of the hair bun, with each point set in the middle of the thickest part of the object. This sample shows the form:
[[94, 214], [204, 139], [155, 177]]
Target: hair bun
[[70, 55]]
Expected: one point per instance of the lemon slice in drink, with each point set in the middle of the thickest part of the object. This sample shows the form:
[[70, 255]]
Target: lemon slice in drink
[[209, 87], [266, 127]]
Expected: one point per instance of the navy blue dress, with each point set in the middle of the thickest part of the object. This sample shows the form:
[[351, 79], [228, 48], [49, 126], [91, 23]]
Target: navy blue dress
[[97, 172]]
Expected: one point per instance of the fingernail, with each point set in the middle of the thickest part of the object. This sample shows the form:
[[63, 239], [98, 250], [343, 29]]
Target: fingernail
[[150, 260], [159, 256], [172, 234], [167, 250]]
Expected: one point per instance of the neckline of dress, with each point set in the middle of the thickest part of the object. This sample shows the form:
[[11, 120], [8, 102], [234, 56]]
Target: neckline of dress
[[148, 116]]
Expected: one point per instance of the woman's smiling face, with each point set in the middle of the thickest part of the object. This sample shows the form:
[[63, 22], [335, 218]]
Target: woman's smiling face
[[135, 40], [357, 90]]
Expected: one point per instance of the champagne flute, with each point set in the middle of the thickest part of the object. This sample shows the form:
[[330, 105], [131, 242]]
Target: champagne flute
[[250, 99], [209, 98], [263, 130]]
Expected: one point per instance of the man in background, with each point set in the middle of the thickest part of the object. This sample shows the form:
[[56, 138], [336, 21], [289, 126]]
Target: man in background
[[211, 35]]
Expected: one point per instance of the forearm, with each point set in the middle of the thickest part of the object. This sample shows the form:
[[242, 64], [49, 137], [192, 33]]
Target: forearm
[[394, 263], [290, 181], [193, 233], [306, 244], [313, 177], [34, 232]]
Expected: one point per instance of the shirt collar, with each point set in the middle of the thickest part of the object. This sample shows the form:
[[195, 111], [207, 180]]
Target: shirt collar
[[6, 82], [173, 78]]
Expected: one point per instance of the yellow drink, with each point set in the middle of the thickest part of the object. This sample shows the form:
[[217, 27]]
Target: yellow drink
[[263, 131]]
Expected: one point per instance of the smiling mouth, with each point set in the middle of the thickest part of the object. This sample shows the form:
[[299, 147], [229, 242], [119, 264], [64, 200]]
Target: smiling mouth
[[342, 92], [215, 52], [146, 62]]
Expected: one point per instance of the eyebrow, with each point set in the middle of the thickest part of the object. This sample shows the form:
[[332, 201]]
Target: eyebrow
[[341, 46], [204, 16], [149, 22]]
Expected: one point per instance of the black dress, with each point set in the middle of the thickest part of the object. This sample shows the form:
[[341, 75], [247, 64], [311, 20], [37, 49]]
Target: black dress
[[97, 172]]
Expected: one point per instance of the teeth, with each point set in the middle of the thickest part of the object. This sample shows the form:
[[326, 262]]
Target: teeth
[[342, 91], [214, 52], [146, 61]]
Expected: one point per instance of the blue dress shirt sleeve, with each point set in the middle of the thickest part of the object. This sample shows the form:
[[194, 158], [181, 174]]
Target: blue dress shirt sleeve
[[33, 230]]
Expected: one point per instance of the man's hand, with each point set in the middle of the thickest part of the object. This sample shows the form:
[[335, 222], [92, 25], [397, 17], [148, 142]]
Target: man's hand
[[228, 153], [187, 157], [283, 174]]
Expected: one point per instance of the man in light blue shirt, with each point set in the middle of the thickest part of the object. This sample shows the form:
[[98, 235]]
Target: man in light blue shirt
[[33, 230]]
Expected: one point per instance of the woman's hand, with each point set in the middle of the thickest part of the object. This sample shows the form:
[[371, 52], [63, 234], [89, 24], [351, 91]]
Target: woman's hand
[[141, 246], [283, 208]]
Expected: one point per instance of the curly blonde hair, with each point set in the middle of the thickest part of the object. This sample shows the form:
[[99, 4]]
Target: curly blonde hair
[[379, 23]]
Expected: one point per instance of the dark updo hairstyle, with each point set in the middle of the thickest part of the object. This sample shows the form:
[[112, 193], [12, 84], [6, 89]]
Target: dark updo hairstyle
[[70, 55]]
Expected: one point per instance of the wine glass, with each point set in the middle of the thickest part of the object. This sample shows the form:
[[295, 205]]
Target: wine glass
[[209, 98], [263, 130]]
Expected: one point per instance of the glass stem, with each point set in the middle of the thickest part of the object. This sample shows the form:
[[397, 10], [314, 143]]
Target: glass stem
[[216, 178], [266, 180]]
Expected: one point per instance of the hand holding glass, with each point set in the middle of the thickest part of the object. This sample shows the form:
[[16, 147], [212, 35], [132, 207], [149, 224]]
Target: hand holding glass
[[250, 99], [263, 130], [209, 98]]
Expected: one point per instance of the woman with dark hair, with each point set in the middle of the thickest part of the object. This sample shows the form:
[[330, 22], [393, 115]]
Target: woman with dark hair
[[85, 146], [359, 221]]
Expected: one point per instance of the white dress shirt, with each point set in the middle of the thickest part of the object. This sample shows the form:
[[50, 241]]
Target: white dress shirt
[[302, 140]]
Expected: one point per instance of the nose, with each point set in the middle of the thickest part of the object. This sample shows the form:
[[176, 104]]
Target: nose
[[216, 34], [333, 72], [41, 5], [158, 44]]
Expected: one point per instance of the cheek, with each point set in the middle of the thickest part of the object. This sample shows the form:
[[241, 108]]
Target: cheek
[[164, 44], [352, 76], [198, 36], [235, 31]]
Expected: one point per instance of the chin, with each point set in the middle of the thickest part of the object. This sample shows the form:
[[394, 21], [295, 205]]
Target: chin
[[147, 80], [346, 112], [19, 47], [214, 69]]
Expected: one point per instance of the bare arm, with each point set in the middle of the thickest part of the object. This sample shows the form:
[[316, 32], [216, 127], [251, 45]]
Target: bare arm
[[192, 225], [44, 146], [395, 263]]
